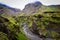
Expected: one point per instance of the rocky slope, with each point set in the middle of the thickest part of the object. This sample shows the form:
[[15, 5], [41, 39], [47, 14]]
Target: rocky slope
[[31, 8]]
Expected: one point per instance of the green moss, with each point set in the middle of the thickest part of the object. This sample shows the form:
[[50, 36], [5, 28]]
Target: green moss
[[21, 36], [3, 36]]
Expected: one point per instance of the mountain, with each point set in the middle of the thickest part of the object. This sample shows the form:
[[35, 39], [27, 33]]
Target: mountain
[[44, 22], [32, 7], [4, 9]]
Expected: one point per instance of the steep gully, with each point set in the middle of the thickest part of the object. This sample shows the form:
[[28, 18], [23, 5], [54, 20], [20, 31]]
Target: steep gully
[[31, 35]]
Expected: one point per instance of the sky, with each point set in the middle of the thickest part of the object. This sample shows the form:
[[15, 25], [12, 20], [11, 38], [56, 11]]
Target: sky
[[21, 3]]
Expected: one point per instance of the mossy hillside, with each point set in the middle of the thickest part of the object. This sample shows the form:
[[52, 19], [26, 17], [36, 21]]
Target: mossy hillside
[[47, 22], [11, 25], [3, 36], [45, 19]]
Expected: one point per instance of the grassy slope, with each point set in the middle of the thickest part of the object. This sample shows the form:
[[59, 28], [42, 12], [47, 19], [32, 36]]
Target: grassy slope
[[40, 18], [43, 22], [48, 17]]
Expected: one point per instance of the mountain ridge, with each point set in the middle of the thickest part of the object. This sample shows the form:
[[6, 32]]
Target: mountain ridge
[[29, 8]]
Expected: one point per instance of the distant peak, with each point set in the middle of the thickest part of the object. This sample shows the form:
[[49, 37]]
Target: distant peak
[[37, 2]]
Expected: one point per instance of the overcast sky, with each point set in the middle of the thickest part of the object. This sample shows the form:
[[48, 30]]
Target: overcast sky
[[21, 3]]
